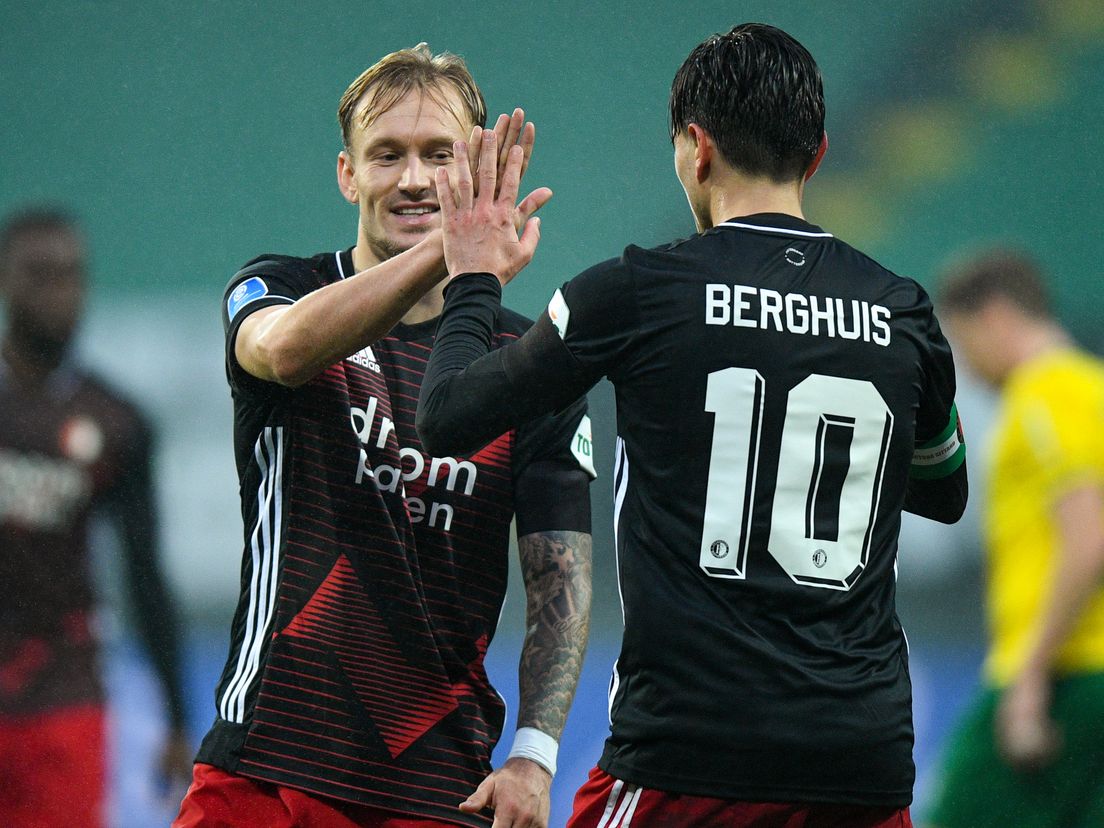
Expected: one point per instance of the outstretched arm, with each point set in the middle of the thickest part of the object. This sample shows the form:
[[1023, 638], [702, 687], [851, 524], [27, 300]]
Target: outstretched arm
[[291, 344], [471, 394]]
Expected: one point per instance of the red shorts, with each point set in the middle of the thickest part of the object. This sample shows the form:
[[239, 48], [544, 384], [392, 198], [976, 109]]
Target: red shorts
[[220, 799], [52, 769], [605, 802]]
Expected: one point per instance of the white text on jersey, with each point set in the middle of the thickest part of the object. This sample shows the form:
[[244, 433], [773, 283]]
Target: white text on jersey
[[451, 472], [750, 307]]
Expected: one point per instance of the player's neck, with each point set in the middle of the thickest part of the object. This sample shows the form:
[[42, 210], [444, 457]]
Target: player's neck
[[1035, 339], [30, 363], [739, 195], [428, 307]]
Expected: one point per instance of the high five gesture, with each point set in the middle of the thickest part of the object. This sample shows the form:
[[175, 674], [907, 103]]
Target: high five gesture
[[481, 217]]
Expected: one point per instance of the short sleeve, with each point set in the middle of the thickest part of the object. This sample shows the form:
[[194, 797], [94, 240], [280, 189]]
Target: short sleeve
[[564, 437], [596, 316], [940, 447], [553, 466], [263, 282]]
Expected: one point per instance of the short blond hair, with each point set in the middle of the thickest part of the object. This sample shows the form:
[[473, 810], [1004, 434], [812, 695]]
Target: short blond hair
[[387, 82]]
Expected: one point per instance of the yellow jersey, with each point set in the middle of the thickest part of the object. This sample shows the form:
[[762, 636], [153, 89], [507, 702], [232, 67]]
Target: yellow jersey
[[1048, 439]]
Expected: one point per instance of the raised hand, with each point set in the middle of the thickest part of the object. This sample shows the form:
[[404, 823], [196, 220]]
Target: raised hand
[[509, 130], [481, 228]]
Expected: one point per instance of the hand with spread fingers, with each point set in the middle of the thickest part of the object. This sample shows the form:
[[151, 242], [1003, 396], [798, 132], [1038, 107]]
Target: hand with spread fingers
[[509, 130], [481, 221]]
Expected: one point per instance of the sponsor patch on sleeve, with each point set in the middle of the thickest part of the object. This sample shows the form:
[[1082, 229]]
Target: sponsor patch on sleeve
[[582, 446], [559, 313], [248, 291], [941, 455]]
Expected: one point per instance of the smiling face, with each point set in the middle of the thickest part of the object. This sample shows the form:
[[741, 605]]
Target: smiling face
[[389, 167]]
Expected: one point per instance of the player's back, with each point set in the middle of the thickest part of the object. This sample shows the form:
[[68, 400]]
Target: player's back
[[768, 380]]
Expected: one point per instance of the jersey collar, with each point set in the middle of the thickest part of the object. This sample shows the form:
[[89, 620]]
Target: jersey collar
[[344, 260], [778, 224], [407, 333]]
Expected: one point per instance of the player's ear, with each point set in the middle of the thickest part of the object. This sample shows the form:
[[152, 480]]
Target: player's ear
[[823, 148], [346, 180], [703, 151]]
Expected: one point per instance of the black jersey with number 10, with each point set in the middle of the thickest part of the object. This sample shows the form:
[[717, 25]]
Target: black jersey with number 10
[[776, 389]]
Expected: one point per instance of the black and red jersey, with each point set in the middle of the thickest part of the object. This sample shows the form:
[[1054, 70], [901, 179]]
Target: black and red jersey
[[780, 399], [68, 447], [373, 574]]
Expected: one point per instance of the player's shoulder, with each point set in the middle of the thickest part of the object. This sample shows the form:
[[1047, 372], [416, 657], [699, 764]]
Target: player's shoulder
[[280, 265], [905, 289], [1063, 375], [277, 279], [512, 323]]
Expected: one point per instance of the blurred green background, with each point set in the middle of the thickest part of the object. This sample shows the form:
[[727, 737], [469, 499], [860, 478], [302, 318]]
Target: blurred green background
[[190, 137]]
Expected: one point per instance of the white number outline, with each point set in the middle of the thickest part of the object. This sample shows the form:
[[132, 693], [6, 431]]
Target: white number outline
[[733, 472]]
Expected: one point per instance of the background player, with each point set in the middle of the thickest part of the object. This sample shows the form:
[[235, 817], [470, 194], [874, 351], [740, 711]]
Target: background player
[[373, 574], [780, 399], [69, 446], [1029, 751]]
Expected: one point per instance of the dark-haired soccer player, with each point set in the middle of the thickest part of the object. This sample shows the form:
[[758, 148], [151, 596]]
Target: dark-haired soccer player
[[69, 446], [1029, 751], [374, 572], [780, 399]]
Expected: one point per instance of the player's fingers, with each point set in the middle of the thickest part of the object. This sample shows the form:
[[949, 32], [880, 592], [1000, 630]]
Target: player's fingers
[[445, 198], [501, 127], [514, 128], [513, 131], [533, 202], [464, 185], [530, 238], [474, 142], [481, 798], [528, 139], [510, 179], [488, 168]]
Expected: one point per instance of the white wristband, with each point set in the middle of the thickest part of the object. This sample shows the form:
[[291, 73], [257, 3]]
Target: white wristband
[[536, 746]]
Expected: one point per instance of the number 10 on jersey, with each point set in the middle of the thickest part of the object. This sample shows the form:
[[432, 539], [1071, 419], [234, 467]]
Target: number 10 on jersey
[[831, 461]]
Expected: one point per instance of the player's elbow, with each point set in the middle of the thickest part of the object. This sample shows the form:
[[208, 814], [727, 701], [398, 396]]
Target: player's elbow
[[432, 431], [943, 501], [950, 512], [953, 507], [284, 363]]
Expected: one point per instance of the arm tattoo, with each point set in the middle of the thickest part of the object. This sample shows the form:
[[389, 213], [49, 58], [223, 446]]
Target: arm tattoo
[[556, 567]]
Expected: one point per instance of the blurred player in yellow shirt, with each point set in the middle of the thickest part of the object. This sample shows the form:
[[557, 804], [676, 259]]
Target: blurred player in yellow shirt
[[1031, 751]]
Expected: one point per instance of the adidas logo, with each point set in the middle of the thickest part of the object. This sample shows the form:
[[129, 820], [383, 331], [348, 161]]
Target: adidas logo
[[366, 358]]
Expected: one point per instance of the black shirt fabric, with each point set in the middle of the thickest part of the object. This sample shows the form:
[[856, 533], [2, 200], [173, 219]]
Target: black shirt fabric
[[775, 389], [373, 574], [69, 448]]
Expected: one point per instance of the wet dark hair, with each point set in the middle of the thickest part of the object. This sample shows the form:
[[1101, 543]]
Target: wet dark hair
[[969, 285], [33, 220], [758, 94]]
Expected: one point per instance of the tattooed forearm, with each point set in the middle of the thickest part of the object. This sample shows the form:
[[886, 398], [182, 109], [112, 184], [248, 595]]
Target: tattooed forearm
[[556, 567]]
